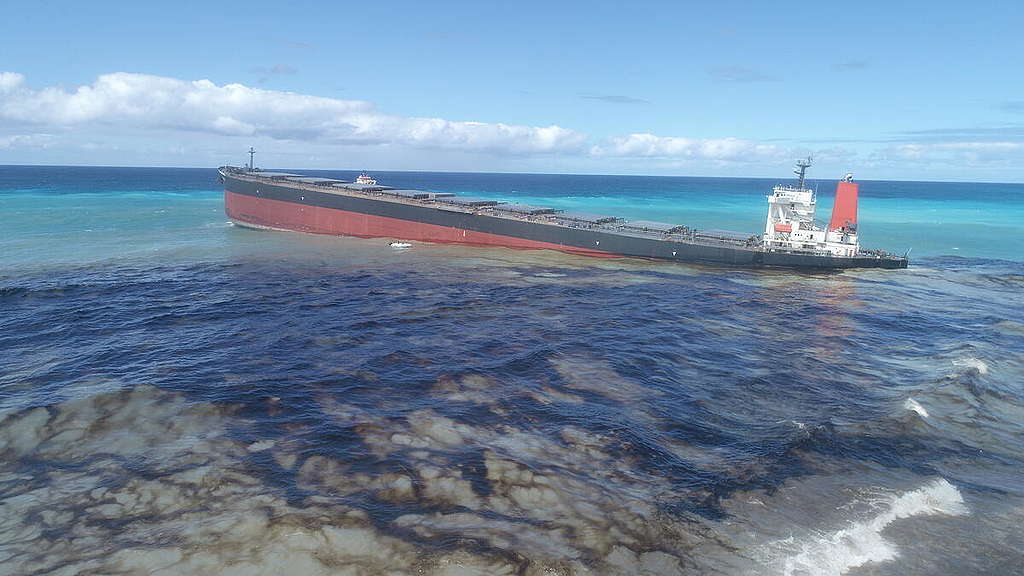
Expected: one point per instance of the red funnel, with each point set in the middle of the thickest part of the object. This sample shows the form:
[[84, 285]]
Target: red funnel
[[844, 213]]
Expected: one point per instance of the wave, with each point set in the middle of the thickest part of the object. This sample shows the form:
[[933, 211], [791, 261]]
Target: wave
[[914, 406], [834, 553], [970, 364]]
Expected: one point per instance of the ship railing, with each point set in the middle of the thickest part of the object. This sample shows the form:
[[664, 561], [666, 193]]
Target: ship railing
[[803, 252], [691, 236]]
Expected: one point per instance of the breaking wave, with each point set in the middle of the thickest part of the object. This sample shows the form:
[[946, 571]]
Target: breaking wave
[[914, 406], [975, 365], [834, 553]]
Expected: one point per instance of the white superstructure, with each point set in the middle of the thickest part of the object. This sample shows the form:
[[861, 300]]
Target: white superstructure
[[790, 226]]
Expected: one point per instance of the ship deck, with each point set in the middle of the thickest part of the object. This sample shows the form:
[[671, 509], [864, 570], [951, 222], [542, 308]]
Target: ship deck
[[498, 209]]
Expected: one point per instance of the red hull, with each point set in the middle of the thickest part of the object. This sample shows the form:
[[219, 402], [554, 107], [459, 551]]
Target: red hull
[[319, 220]]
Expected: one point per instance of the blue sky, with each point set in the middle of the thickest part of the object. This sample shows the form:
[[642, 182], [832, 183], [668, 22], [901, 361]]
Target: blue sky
[[914, 90]]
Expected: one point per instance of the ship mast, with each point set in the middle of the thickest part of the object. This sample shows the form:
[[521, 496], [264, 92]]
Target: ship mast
[[801, 169], [252, 166]]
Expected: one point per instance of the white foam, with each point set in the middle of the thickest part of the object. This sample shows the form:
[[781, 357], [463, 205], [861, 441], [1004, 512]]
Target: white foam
[[914, 406], [972, 364], [832, 554]]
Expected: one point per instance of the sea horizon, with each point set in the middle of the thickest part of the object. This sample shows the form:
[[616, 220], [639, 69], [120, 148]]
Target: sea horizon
[[523, 173]]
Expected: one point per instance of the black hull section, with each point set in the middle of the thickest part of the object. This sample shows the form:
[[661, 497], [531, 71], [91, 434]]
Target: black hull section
[[594, 240]]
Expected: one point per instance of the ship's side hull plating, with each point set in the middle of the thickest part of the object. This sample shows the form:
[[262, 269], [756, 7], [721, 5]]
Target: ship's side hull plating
[[272, 205], [285, 215]]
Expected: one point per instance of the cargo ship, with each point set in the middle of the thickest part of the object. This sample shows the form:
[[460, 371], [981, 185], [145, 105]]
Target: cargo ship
[[367, 209]]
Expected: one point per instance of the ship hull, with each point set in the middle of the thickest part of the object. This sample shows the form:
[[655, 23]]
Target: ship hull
[[277, 206]]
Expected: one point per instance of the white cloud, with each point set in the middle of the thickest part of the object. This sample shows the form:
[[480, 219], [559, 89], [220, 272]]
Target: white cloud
[[26, 141], [10, 80], [966, 152], [138, 101], [230, 126], [126, 110], [721, 149]]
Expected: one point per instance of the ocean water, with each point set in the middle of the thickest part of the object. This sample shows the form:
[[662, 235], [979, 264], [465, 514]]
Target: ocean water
[[182, 396]]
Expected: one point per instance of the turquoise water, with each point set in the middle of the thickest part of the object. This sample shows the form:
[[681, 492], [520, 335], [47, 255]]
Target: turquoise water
[[77, 213]]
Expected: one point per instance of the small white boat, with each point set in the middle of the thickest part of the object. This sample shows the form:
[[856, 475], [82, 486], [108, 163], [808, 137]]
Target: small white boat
[[400, 245]]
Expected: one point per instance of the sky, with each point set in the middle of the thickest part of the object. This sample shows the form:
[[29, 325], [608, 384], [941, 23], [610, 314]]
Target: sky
[[886, 90]]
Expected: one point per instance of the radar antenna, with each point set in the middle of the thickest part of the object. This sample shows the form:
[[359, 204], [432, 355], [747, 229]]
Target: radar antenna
[[801, 170], [252, 152]]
